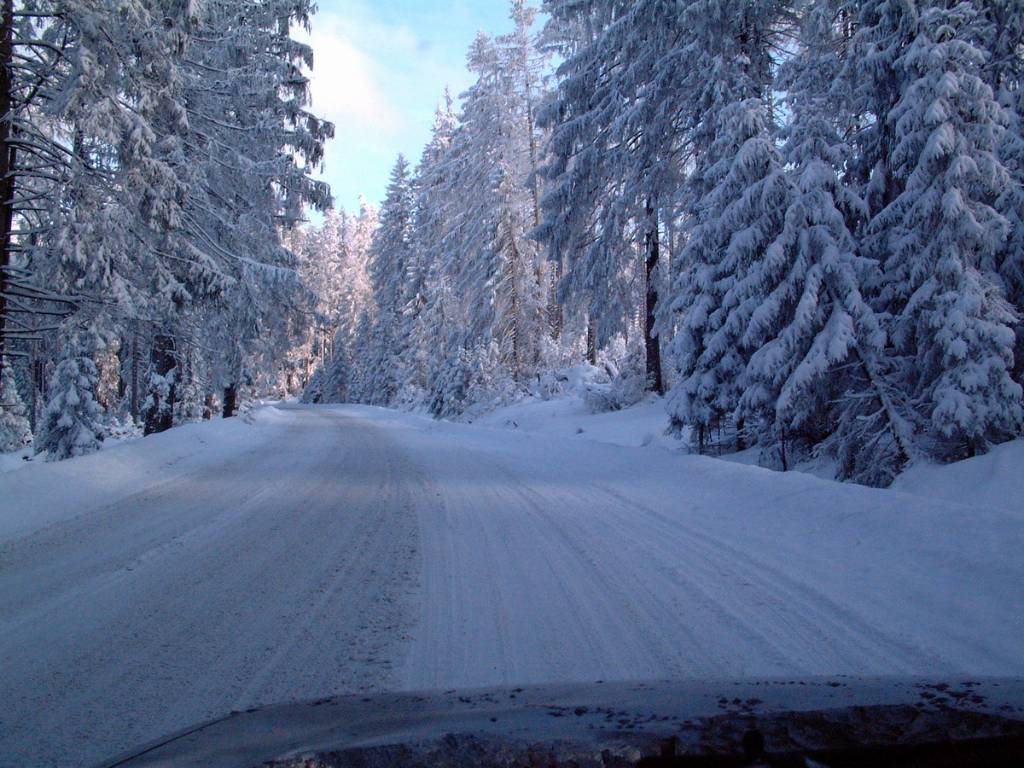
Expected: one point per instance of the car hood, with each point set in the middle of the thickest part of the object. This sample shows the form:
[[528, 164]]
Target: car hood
[[612, 723]]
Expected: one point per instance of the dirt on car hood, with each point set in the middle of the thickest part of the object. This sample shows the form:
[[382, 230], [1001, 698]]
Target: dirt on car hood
[[834, 721]]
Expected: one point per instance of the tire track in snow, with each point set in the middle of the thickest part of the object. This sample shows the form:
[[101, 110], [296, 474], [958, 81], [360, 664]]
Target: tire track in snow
[[281, 575], [805, 609], [618, 590]]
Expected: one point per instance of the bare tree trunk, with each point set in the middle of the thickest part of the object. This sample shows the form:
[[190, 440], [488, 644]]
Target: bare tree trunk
[[515, 309], [35, 366], [135, 373], [651, 344], [7, 160], [230, 400], [591, 342], [555, 320]]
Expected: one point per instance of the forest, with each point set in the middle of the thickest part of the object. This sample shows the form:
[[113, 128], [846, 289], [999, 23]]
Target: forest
[[799, 222]]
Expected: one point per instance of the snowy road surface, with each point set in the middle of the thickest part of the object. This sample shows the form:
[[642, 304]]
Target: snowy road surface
[[347, 549]]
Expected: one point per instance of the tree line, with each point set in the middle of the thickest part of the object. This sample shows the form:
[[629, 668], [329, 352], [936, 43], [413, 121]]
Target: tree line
[[802, 221], [153, 156]]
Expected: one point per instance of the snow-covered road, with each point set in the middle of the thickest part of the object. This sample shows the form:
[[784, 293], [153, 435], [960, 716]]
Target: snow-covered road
[[347, 549], [278, 572]]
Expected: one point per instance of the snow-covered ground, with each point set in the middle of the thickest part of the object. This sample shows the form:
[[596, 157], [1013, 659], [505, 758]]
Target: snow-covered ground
[[339, 549], [993, 480], [641, 425]]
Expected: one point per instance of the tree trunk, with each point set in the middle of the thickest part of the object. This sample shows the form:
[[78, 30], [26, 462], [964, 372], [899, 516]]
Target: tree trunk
[[651, 344], [123, 357], [36, 368], [135, 374], [230, 400], [554, 308], [7, 159], [515, 309], [160, 416], [591, 342]]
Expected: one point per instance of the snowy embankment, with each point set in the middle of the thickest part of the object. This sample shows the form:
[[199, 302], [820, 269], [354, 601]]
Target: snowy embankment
[[342, 549], [641, 425], [993, 480], [38, 493]]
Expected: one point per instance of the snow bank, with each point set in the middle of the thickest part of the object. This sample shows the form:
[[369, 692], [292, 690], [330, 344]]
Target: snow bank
[[41, 493], [641, 425], [993, 480], [15, 460]]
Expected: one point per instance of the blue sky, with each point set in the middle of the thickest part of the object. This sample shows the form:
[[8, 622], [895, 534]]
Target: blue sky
[[380, 68]]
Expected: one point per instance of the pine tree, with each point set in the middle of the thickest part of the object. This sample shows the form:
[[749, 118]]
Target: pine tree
[[739, 195], [420, 327], [15, 431], [951, 325], [870, 85], [813, 321], [71, 423], [1000, 33], [389, 256], [615, 159]]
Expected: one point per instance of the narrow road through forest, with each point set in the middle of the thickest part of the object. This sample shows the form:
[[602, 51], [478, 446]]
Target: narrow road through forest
[[353, 549]]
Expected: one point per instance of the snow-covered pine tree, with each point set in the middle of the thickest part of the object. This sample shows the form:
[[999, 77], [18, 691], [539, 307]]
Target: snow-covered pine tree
[[356, 296], [93, 104], [389, 255], [876, 426], [71, 424], [871, 85], [614, 158], [1000, 33], [253, 180], [425, 337], [323, 256], [951, 325], [519, 298], [436, 323], [480, 161], [813, 322], [1009, 260], [738, 194], [488, 273], [528, 61], [364, 349], [15, 431]]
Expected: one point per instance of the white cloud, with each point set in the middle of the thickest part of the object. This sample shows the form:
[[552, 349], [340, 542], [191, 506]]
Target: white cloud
[[348, 86], [377, 76]]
